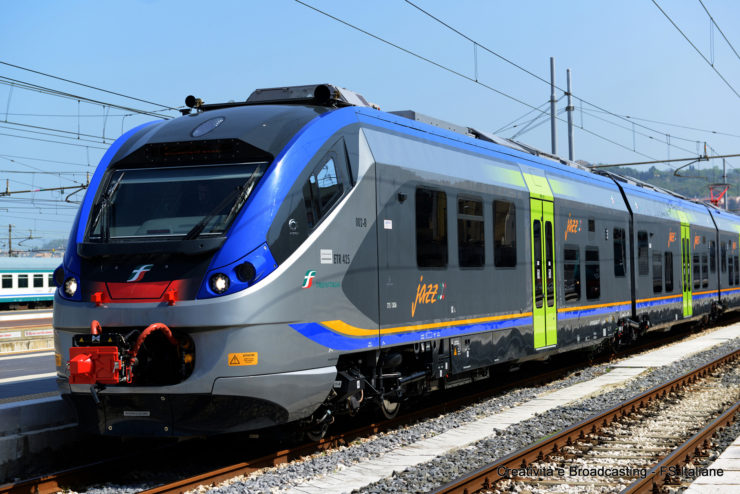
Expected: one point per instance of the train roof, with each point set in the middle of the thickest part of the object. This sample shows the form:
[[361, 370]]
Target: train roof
[[29, 263]]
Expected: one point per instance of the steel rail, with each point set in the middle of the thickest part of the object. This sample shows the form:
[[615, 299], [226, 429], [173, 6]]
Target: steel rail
[[485, 477], [659, 475]]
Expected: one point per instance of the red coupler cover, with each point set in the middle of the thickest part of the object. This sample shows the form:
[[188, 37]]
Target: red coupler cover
[[94, 364]]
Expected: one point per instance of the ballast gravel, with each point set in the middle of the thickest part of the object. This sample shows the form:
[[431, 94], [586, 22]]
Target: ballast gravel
[[441, 470]]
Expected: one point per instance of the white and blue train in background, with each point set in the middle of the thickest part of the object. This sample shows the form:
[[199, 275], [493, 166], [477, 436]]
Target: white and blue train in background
[[27, 281]]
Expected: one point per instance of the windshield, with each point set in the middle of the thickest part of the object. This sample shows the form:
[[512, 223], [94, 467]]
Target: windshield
[[174, 201]]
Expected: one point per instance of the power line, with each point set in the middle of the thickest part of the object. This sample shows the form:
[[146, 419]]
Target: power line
[[55, 142], [8, 81], [496, 54], [59, 131], [45, 160], [719, 29], [37, 132], [697, 49], [86, 85], [459, 74]]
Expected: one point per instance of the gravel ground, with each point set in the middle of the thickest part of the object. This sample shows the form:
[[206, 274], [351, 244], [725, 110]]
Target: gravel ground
[[439, 471]]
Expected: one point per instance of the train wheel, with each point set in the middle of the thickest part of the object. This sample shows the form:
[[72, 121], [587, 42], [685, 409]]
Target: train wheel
[[317, 434], [389, 408]]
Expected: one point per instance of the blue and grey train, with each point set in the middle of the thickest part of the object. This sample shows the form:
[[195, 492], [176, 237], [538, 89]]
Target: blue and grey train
[[303, 254]]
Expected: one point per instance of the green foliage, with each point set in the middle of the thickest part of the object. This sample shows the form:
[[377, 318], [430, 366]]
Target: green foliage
[[693, 182]]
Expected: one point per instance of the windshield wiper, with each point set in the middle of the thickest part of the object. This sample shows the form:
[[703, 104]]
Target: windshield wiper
[[105, 203], [241, 193]]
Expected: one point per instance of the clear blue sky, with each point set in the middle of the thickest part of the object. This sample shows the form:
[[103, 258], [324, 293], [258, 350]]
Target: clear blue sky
[[625, 57]]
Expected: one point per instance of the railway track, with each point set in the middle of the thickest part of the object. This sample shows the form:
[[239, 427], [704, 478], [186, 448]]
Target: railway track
[[636, 446], [102, 471]]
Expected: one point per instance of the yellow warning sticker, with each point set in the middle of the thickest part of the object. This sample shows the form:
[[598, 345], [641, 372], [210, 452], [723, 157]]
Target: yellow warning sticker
[[242, 359]]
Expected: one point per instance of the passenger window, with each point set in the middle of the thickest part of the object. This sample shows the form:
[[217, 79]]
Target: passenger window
[[657, 273], [470, 233], [723, 256], [38, 281], [504, 234], [7, 281], [697, 271], [431, 228], [571, 273], [22, 281], [737, 271], [712, 256], [593, 276], [642, 253], [50, 281], [669, 272], [619, 252], [704, 271], [322, 190], [730, 274]]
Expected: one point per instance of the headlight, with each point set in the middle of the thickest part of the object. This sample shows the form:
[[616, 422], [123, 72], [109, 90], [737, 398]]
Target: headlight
[[219, 283], [70, 287]]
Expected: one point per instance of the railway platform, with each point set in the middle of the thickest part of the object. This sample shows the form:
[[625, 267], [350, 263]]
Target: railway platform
[[729, 482]]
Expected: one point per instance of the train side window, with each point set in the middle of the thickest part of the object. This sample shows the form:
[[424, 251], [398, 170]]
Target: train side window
[[321, 191], [668, 272], [7, 281], [723, 256], [657, 273], [712, 256], [642, 253], [431, 228], [697, 271], [571, 273], [38, 281], [470, 233], [737, 272], [704, 271], [730, 274], [50, 281], [593, 273], [22, 281], [504, 234], [619, 252]]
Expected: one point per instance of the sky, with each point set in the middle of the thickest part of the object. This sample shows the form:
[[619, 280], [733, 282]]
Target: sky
[[641, 91]]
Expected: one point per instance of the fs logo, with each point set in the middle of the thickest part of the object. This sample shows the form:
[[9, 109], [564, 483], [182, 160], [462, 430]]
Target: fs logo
[[308, 279], [138, 273]]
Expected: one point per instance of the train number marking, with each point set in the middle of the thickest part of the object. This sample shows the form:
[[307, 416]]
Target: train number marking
[[240, 359], [361, 222]]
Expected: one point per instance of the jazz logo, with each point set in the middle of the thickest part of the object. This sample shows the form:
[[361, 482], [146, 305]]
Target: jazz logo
[[671, 238], [427, 293], [308, 279], [138, 273], [572, 226]]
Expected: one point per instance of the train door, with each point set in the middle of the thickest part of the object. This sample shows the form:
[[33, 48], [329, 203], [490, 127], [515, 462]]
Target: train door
[[686, 269], [544, 307]]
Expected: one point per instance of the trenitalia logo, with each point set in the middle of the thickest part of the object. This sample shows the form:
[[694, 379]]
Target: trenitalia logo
[[308, 279], [138, 273]]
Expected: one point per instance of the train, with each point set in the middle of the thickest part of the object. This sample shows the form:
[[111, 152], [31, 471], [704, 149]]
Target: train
[[303, 255], [27, 281]]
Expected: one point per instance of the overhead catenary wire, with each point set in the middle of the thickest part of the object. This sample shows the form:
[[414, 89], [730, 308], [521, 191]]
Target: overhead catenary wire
[[520, 67], [719, 29], [15, 83], [697, 49], [459, 74], [86, 85]]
